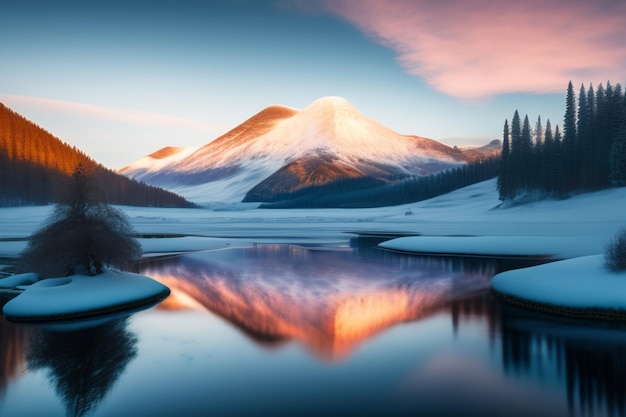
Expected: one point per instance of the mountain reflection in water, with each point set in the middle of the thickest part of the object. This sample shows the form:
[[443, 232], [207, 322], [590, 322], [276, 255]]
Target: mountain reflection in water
[[325, 299], [458, 342]]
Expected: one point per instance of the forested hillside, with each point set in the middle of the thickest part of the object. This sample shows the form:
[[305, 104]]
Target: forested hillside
[[588, 154], [35, 166]]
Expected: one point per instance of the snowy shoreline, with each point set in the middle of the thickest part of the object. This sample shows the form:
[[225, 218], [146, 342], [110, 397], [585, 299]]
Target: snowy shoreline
[[579, 287], [78, 297]]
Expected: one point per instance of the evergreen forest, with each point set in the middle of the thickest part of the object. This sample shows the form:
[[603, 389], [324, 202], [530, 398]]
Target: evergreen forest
[[368, 192], [588, 154], [35, 168]]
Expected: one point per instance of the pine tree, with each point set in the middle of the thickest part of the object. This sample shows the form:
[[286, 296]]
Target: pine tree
[[559, 169], [526, 153], [583, 143], [538, 133], [504, 179], [516, 155], [547, 156], [569, 140], [617, 158]]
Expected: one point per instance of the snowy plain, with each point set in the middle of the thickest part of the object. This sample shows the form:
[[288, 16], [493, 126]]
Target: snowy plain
[[577, 226]]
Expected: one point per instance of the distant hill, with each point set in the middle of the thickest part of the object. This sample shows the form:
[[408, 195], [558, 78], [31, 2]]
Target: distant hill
[[35, 166], [281, 152]]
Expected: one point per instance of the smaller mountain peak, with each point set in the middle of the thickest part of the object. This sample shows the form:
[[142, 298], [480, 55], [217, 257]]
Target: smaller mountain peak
[[166, 152]]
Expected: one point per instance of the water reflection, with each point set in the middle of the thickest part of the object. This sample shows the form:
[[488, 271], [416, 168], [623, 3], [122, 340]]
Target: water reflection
[[13, 340], [82, 365], [328, 300], [588, 358], [461, 344]]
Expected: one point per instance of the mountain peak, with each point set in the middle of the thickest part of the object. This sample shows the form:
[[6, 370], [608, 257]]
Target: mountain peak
[[282, 150], [330, 104]]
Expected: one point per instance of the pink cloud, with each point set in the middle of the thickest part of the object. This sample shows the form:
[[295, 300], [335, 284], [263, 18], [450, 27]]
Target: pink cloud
[[111, 113], [480, 48]]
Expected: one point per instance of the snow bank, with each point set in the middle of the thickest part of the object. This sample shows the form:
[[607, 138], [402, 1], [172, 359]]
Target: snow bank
[[178, 245], [80, 296], [557, 247], [18, 280], [580, 283]]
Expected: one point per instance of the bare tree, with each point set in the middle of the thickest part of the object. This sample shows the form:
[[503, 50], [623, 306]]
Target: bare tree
[[83, 235], [615, 255]]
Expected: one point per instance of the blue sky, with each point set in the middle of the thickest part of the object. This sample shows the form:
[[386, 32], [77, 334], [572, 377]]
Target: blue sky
[[120, 80]]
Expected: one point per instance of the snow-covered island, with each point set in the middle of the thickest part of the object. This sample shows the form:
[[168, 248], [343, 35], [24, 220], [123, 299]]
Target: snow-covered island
[[79, 296], [580, 287]]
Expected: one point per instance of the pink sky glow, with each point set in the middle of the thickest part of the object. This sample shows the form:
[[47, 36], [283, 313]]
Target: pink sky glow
[[477, 49], [112, 114]]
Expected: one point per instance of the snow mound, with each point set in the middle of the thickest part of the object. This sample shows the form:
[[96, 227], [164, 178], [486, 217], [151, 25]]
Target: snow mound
[[79, 296], [18, 280], [556, 247], [579, 283]]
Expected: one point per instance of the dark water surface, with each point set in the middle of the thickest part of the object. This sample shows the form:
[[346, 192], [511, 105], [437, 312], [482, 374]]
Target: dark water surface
[[289, 330]]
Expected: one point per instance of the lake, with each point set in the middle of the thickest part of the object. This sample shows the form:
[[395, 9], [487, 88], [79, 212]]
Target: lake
[[346, 329]]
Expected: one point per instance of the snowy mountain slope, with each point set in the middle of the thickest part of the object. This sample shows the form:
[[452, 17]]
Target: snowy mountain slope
[[328, 140], [156, 161]]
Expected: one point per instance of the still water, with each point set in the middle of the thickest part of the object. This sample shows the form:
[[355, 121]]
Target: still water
[[291, 330]]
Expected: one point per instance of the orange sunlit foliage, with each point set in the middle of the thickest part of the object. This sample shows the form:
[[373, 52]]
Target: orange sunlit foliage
[[35, 165]]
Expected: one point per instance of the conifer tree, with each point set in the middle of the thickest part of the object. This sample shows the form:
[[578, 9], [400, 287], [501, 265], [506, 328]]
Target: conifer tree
[[504, 178], [538, 133], [516, 155], [526, 154], [617, 158], [548, 159], [589, 148], [559, 168], [569, 139], [583, 143]]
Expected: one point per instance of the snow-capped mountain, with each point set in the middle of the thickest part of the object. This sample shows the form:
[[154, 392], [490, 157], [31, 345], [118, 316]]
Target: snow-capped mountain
[[281, 150]]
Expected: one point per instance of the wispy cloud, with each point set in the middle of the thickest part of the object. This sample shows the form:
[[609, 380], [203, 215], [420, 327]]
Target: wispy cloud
[[111, 113], [480, 48]]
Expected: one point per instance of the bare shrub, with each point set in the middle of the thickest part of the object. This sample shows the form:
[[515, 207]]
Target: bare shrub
[[615, 255], [83, 235]]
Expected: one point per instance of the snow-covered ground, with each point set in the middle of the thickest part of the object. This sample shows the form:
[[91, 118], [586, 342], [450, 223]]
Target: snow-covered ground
[[580, 225]]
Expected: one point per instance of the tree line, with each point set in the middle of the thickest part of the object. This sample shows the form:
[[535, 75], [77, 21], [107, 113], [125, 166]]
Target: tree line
[[370, 192], [588, 154], [35, 167]]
